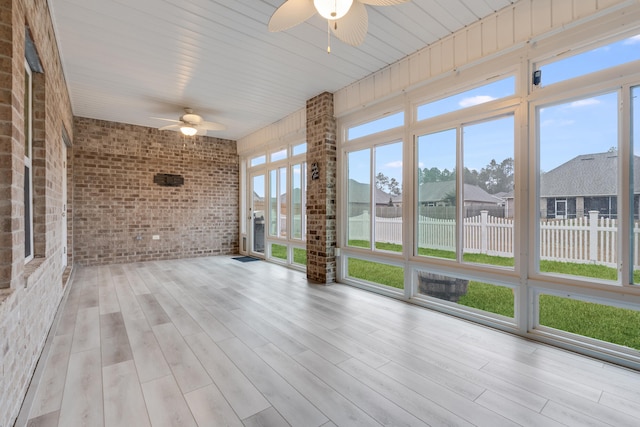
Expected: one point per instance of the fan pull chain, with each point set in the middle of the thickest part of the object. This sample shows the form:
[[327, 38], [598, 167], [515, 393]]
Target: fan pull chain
[[328, 37]]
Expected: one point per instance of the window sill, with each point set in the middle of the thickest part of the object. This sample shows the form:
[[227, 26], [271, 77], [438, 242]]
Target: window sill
[[4, 294], [31, 268]]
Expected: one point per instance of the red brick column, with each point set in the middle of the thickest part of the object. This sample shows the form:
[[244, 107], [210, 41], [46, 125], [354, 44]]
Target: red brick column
[[321, 189]]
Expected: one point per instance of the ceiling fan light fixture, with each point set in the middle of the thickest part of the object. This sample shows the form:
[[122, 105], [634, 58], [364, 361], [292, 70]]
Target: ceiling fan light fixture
[[188, 130], [332, 9]]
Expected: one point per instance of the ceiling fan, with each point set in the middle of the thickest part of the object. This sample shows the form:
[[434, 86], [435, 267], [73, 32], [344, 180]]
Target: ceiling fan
[[191, 124], [347, 19]]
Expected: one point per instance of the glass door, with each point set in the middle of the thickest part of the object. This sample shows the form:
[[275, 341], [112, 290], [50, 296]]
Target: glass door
[[256, 216]]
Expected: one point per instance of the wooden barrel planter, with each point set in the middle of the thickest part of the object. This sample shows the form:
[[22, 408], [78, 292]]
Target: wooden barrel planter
[[442, 287]]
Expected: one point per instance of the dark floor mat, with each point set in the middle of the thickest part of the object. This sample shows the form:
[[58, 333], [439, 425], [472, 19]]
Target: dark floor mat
[[246, 259]]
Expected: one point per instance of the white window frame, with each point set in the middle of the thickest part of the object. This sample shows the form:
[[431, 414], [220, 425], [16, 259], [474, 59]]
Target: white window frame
[[266, 167], [526, 283]]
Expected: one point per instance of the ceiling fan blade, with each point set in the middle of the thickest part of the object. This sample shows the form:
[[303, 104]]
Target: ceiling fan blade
[[201, 131], [170, 127], [352, 28], [290, 14], [382, 2], [211, 126], [166, 120]]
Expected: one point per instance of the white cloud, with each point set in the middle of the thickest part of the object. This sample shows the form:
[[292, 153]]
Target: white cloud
[[396, 164], [475, 100], [632, 40], [585, 102], [556, 123]]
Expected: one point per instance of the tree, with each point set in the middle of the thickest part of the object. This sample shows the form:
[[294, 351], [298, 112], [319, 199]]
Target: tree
[[382, 181], [471, 176], [494, 178], [497, 177], [388, 185], [394, 187], [447, 175]]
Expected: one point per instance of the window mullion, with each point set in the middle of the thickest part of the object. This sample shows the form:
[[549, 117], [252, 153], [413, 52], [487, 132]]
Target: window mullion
[[459, 212], [372, 200], [626, 190]]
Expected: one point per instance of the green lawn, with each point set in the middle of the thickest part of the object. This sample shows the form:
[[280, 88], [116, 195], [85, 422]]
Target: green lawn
[[488, 297], [300, 256], [379, 245], [603, 322], [376, 272], [280, 252]]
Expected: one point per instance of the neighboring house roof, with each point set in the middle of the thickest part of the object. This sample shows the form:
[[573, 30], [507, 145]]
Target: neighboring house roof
[[438, 191], [586, 175], [503, 195], [360, 193]]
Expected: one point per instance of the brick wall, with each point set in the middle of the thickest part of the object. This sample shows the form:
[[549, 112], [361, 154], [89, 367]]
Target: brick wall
[[29, 292], [321, 192], [118, 208]]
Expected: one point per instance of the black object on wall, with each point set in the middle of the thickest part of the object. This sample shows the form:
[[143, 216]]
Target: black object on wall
[[168, 180]]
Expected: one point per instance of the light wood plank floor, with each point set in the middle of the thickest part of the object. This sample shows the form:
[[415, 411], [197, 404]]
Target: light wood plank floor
[[217, 342]]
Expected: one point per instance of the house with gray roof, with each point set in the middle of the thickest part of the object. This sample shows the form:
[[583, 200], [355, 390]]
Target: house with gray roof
[[437, 200], [585, 183], [441, 194], [360, 195]]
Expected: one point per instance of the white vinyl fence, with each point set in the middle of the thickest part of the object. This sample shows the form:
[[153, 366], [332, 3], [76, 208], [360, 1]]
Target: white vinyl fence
[[580, 240]]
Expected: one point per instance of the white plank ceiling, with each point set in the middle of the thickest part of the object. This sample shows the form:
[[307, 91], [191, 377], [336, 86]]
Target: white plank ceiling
[[132, 60]]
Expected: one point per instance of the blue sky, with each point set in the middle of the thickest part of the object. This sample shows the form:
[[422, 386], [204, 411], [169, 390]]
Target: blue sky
[[585, 126]]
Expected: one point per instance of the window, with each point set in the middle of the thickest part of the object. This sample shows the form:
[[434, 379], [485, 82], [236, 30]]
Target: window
[[279, 251], [488, 153], [258, 160], [28, 164], [280, 223], [298, 200], [359, 199], [593, 60], [379, 125], [591, 319], [375, 272], [278, 155], [278, 202], [487, 193], [299, 149], [479, 95], [578, 189], [376, 210], [437, 194], [470, 293], [300, 256], [524, 206], [388, 197]]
